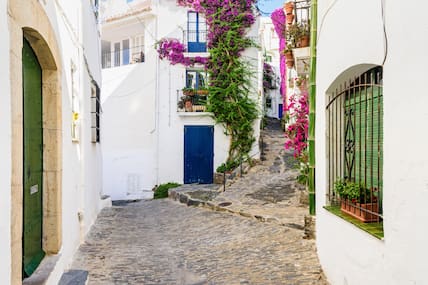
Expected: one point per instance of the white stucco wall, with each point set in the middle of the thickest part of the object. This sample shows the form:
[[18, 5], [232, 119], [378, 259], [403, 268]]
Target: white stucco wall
[[347, 254], [5, 150], [81, 161]]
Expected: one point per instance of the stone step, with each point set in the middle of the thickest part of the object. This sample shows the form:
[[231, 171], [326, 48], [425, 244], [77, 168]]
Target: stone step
[[74, 277]]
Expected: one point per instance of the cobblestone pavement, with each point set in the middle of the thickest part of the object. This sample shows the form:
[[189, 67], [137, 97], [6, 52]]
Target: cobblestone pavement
[[164, 242]]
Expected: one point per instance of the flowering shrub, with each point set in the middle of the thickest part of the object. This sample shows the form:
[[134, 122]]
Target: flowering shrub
[[296, 132], [278, 20], [268, 77], [173, 50], [230, 76]]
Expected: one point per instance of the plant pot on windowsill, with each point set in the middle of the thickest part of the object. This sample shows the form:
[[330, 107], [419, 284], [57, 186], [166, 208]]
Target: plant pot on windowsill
[[358, 201], [188, 92], [290, 63], [289, 7], [202, 92], [362, 212], [290, 19], [304, 41], [188, 106], [199, 108]]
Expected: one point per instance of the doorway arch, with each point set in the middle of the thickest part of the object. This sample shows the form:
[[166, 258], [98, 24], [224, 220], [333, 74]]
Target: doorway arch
[[28, 20]]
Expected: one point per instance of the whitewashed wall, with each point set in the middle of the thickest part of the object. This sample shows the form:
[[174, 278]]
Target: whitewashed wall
[[5, 150], [76, 33], [349, 44], [143, 135]]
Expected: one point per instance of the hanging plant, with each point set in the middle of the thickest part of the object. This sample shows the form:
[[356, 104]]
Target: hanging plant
[[173, 50]]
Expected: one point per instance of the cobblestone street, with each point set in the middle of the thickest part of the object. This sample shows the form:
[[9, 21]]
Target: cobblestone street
[[165, 242]]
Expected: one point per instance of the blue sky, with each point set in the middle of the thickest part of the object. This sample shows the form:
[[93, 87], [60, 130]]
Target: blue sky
[[267, 6]]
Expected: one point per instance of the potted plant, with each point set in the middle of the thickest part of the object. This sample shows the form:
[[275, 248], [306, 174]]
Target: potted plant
[[357, 201], [289, 7], [188, 103], [288, 53], [303, 40], [188, 91], [290, 19], [202, 91]]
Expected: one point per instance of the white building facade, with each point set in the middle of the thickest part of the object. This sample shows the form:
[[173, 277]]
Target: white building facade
[[273, 102], [51, 168], [370, 66], [149, 134]]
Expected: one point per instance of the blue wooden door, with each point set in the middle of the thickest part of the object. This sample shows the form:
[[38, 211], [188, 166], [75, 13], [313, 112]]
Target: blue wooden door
[[280, 111], [198, 154]]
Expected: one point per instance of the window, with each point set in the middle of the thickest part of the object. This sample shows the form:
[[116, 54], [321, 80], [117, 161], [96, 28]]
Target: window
[[355, 144], [138, 49], [125, 52], [129, 1], [117, 54], [95, 112], [196, 79], [196, 32]]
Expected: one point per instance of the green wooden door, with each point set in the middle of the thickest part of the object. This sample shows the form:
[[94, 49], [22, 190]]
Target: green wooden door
[[33, 161]]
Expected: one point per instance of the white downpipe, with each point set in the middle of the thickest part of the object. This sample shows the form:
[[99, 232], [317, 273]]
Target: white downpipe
[[157, 105]]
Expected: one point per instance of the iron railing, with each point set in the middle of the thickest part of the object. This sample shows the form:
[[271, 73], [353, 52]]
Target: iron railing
[[116, 58], [355, 142]]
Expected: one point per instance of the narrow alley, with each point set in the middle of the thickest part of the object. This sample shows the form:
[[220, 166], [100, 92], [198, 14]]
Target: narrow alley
[[165, 242]]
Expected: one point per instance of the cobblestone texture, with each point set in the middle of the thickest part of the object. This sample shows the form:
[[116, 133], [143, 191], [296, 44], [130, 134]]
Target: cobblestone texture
[[164, 242]]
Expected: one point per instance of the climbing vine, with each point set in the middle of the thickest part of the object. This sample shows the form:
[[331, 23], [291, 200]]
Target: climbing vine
[[230, 75]]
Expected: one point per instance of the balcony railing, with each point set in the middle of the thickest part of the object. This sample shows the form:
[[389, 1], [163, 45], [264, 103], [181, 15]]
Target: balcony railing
[[192, 100], [123, 57]]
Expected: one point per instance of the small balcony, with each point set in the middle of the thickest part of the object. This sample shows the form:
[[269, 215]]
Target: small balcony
[[122, 57], [192, 100]]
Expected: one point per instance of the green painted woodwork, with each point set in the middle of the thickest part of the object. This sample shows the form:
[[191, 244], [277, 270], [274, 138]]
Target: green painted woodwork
[[312, 107], [33, 161], [364, 128]]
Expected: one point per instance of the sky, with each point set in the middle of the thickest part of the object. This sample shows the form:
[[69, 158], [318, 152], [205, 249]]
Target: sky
[[266, 7]]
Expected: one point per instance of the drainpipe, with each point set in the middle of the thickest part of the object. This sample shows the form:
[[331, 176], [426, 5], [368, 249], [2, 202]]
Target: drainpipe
[[157, 97], [312, 106]]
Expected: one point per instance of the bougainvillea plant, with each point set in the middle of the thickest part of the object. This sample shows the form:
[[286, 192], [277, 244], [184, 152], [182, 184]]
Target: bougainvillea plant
[[230, 75], [296, 133], [173, 50], [268, 77], [278, 20]]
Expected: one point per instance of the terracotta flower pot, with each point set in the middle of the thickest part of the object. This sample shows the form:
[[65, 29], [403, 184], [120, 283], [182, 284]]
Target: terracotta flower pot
[[289, 55], [202, 92], [290, 19], [188, 106], [290, 63], [289, 7], [357, 211], [304, 41], [188, 92]]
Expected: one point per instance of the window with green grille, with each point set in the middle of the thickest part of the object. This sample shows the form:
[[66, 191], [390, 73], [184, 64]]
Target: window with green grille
[[355, 136]]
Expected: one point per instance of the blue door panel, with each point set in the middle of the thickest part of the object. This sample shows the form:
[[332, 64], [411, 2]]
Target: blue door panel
[[280, 111], [198, 154]]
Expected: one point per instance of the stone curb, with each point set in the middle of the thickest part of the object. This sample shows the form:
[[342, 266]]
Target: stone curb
[[185, 198]]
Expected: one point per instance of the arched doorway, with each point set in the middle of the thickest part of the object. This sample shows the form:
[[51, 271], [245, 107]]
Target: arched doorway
[[36, 138], [32, 234]]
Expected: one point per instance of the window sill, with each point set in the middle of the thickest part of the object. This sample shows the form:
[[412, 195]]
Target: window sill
[[374, 229], [194, 114], [195, 54]]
